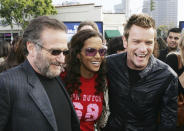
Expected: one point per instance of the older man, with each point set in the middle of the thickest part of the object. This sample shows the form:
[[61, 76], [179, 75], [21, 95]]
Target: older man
[[32, 97]]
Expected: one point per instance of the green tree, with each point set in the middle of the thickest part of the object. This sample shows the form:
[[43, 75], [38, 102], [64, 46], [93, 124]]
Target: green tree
[[162, 31], [21, 11]]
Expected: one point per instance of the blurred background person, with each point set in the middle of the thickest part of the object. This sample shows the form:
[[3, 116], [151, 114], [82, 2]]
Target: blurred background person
[[87, 25], [173, 37], [5, 48], [115, 45], [176, 61], [16, 55], [85, 77], [161, 43]]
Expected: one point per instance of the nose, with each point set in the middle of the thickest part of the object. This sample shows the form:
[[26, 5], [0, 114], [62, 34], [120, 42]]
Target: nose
[[143, 47], [97, 55], [61, 58]]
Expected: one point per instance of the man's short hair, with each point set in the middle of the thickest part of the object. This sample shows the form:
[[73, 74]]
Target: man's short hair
[[175, 30], [36, 26], [142, 20]]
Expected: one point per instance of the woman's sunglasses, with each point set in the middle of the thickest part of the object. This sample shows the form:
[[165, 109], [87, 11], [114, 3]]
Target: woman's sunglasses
[[93, 51], [55, 52]]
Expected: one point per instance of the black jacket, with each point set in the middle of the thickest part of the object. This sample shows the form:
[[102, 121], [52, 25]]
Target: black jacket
[[137, 108], [25, 105]]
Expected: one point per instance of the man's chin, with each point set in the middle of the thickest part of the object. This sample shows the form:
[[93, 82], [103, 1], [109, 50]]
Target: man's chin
[[53, 72], [140, 66]]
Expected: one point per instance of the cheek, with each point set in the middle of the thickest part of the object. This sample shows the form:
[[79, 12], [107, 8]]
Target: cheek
[[150, 49], [132, 50], [85, 60]]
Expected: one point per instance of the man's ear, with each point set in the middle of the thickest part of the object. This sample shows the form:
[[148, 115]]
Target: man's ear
[[30, 48], [125, 43]]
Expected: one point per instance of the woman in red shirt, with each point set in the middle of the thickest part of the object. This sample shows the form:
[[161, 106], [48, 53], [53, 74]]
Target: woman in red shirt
[[85, 77]]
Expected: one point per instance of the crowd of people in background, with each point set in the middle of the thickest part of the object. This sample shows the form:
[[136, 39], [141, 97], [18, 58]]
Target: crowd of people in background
[[132, 82]]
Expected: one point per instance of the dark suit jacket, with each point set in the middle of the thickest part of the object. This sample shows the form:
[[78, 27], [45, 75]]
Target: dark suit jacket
[[24, 104]]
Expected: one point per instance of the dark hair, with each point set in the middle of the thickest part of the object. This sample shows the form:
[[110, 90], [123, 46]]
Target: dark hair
[[36, 26], [73, 75], [175, 30], [5, 48], [17, 49], [142, 20], [90, 23], [15, 56], [114, 45]]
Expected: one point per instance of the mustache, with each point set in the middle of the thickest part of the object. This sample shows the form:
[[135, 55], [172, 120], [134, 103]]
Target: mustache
[[62, 65], [56, 63]]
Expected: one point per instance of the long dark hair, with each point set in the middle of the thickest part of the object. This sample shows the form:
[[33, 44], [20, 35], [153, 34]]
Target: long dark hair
[[72, 78]]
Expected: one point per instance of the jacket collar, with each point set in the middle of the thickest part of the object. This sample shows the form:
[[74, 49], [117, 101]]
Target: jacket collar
[[149, 68]]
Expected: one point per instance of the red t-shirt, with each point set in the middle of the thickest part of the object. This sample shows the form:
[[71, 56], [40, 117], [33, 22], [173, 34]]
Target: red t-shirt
[[89, 106]]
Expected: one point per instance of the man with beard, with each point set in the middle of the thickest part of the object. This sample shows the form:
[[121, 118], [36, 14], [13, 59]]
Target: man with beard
[[32, 96], [142, 89], [173, 38]]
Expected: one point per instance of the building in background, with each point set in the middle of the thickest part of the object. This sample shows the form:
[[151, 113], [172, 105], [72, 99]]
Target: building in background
[[110, 24], [110, 16], [6, 32], [165, 12]]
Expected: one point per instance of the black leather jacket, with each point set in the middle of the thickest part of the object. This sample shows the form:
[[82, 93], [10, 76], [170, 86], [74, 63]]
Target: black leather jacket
[[137, 108]]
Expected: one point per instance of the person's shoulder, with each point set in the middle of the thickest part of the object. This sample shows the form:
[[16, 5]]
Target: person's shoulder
[[173, 53], [172, 57]]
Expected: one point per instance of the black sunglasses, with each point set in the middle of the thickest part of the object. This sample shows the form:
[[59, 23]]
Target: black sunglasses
[[93, 51], [55, 52]]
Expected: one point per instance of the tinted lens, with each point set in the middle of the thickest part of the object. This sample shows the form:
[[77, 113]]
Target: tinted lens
[[56, 52], [65, 52], [91, 52], [102, 51]]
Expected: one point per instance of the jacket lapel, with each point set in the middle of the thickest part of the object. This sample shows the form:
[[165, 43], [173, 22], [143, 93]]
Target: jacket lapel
[[39, 96]]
